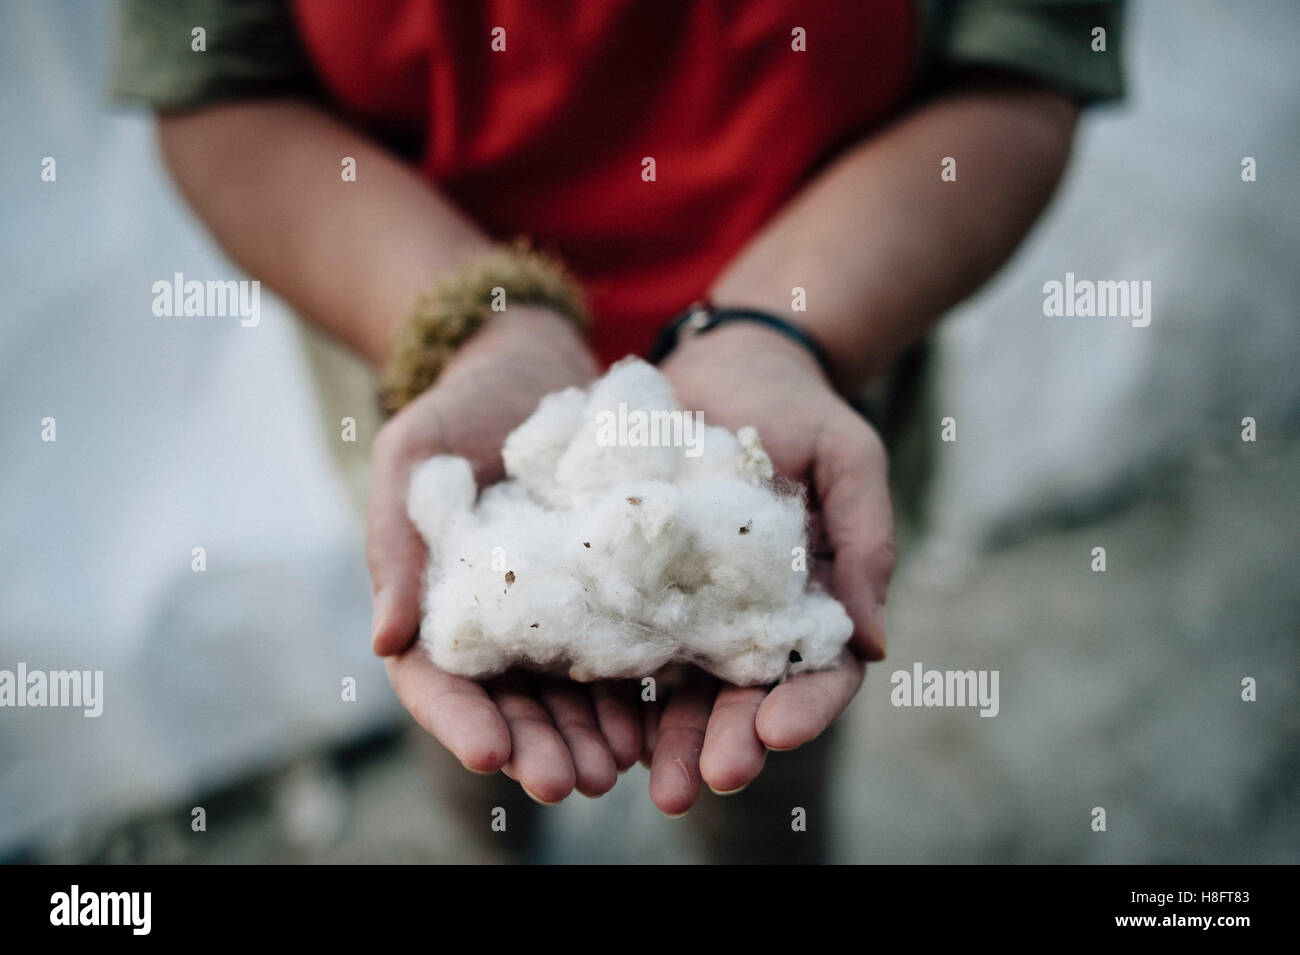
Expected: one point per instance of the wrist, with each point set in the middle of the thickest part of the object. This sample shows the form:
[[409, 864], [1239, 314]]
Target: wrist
[[741, 332], [746, 346], [531, 319]]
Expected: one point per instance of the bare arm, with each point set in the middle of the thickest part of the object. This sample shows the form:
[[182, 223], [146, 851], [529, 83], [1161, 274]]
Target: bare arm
[[350, 256], [883, 247]]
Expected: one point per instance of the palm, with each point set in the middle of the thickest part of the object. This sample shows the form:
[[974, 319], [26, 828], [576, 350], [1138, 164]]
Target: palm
[[555, 735], [550, 735], [720, 735]]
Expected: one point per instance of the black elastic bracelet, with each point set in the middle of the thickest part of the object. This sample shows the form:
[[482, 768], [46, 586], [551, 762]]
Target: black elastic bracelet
[[703, 316]]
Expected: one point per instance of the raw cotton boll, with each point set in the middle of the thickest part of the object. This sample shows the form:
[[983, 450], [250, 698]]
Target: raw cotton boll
[[743, 536], [499, 594], [626, 538], [738, 456], [633, 543], [442, 489], [717, 456], [741, 650], [613, 444], [754, 463], [744, 650], [533, 450]]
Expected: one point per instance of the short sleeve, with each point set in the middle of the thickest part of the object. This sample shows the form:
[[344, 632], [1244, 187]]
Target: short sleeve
[[1054, 42], [251, 49]]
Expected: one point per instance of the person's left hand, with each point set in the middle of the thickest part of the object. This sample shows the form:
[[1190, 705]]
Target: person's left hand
[[738, 375]]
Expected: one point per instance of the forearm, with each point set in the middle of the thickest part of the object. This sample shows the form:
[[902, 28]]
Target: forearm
[[882, 247], [349, 256]]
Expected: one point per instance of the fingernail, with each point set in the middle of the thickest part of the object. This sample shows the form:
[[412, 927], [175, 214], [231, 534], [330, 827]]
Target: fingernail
[[536, 798], [378, 618], [728, 792]]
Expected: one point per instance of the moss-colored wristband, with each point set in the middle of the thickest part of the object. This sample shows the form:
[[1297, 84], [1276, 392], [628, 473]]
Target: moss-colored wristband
[[446, 315]]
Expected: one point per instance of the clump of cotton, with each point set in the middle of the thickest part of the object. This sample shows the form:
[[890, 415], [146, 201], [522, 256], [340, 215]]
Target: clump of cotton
[[627, 535]]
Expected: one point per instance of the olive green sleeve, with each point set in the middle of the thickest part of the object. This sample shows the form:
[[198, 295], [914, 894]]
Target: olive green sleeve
[[1054, 42], [251, 49]]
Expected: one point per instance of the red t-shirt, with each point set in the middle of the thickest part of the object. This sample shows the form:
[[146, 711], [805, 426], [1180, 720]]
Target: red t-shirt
[[737, 104]]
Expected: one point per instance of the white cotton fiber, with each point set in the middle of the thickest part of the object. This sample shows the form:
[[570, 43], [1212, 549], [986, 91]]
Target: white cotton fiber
[[626, 536]]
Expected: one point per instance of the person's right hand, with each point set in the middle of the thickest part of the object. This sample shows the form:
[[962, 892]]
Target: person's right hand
[[551, 736]]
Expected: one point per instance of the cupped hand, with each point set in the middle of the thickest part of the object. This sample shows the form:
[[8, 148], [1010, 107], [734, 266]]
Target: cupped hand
[[742, 375], [551, 736]]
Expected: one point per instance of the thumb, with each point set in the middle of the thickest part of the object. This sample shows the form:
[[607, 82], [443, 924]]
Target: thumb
[[394, 552], [851, 474]]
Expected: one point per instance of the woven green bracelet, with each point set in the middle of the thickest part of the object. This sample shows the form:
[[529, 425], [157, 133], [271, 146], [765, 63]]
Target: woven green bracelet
[[446, 315]]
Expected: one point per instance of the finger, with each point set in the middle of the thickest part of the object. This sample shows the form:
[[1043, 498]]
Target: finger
[[573, 715], [616, 703], [675, 768], [651, 712], [733, 754], [851, 475], [802, 707], [394, 550], [539, 759], [457, 711]]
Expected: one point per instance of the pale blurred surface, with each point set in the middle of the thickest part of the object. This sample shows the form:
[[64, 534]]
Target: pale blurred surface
[[173, 433], [1120, 690]]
